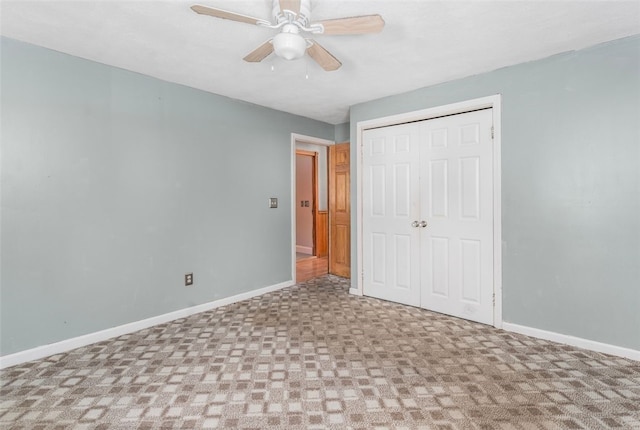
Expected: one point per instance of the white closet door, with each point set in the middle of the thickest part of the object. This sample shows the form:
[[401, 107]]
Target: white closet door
[[391, 200], [456, 195]]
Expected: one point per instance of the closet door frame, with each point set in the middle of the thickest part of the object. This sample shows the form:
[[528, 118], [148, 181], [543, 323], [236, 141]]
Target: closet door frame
[[494, 102]]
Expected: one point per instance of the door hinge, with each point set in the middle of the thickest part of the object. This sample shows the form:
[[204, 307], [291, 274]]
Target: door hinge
[[492, 134], [494, 299]]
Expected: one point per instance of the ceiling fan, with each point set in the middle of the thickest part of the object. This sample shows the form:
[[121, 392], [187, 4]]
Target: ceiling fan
[[292, 18]]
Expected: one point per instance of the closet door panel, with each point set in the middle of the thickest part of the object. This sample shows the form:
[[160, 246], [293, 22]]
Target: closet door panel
[[456, 162], [391, 244]]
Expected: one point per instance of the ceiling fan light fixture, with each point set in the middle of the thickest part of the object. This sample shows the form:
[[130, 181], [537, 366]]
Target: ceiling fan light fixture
[[289, 46]]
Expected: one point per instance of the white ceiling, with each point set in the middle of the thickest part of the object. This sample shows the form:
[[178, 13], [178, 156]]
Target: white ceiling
[[422, 44]]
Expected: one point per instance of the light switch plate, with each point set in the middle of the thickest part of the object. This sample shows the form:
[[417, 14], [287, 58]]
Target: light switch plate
[[273, 202]]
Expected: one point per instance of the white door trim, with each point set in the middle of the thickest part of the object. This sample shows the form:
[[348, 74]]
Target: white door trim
[[494, 102], [299, 138]]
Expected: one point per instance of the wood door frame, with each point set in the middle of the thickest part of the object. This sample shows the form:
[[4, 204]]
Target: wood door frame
[[299, 138], [314, 196], [494, 102]]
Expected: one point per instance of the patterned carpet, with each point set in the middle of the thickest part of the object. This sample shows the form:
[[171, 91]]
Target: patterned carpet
[[313, 356]]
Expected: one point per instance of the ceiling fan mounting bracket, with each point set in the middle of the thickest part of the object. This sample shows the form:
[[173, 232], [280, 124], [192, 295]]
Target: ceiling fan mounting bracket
[[292, 11]]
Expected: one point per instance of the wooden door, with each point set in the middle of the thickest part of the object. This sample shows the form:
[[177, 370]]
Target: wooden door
[[339, 211]]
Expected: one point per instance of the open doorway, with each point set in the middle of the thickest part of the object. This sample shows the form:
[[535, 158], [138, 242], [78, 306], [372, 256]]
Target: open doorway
[[310, 212], [306, 204]]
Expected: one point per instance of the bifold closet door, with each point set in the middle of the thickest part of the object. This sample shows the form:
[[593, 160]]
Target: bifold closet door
[[456, 196], [391, 204], [428, 214]]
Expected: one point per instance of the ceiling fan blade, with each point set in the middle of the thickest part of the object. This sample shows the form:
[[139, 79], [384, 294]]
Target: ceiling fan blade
[[292, 5], [353, 25], [323, 57], [260, 53], [219, 13]]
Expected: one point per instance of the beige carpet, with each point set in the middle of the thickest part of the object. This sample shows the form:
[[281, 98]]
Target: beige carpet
[[313, 356]]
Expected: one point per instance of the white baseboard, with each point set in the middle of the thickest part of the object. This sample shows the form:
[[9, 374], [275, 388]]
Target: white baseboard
[[573, 341], [355, 292], [87, 339], [304, 249]]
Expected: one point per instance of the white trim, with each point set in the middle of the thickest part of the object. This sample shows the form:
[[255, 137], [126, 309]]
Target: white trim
[[355, 292], [573, 341], [299, 138], [494, 102], [496, 107], [434, 112], [304, 249], [87, 339]]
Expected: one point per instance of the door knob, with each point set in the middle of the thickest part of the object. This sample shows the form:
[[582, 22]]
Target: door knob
[[423, 224], [415, 224]]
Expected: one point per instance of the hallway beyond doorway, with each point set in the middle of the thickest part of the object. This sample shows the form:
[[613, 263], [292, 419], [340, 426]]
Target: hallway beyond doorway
[[311, 267]]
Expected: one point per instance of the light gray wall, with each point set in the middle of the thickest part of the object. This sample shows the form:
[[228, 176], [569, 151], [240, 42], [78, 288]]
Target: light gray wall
[[342, 132], [114, 185], [570, 186]]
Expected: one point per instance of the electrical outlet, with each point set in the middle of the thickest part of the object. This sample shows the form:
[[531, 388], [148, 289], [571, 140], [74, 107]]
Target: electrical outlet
[[273, 202], [188, 279]]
